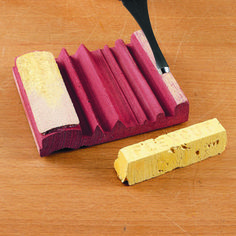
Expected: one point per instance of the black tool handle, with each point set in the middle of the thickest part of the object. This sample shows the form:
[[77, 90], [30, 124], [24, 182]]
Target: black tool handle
[[139, 10]]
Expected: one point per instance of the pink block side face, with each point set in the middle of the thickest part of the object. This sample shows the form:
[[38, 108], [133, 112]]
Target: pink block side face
[[116, 92]]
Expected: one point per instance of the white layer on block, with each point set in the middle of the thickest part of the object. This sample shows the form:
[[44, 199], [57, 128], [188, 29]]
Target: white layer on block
[[168, 78], [154, 157], [48, 97]]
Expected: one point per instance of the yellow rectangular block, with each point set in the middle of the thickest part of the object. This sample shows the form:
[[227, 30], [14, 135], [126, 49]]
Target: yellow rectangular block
[[154, 157]]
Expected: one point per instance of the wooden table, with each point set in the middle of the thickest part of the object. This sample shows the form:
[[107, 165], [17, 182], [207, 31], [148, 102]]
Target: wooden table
[[78, 192]]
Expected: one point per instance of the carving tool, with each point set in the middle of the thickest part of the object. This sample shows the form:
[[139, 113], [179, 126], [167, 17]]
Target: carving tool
[[139, 10]]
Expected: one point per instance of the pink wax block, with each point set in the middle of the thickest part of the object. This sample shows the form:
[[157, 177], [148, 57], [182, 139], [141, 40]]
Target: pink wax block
[[116, 92]]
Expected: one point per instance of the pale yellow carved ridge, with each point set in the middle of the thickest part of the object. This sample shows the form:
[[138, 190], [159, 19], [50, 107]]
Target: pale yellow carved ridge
[[40, 74], [47, 94]]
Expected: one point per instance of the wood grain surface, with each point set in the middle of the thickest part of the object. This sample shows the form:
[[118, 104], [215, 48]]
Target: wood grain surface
[[78, 192]]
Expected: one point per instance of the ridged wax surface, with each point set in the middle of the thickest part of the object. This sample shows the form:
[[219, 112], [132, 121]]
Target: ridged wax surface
[[116, 92], [154, 157]]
